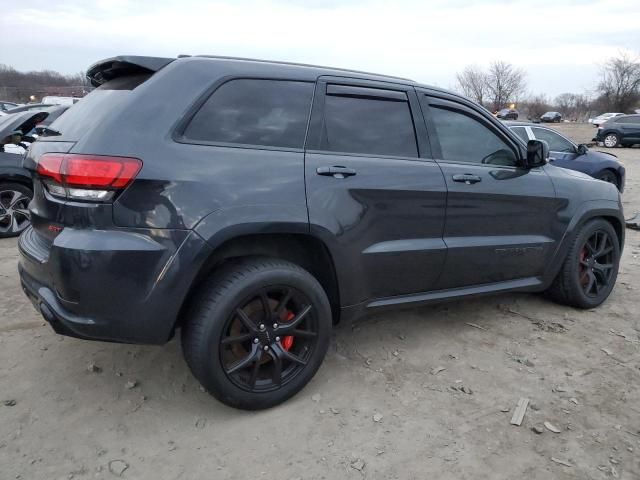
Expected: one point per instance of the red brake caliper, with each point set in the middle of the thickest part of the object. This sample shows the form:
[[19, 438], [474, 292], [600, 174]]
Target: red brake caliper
[[584, 278], [287, 342]]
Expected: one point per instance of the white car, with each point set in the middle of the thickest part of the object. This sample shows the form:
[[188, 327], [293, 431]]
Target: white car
[[600, 119]]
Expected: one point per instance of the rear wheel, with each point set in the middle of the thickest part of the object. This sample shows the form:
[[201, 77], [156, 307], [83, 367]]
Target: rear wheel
[[258, 333], [590, 268], [611, 140], [14, 212]]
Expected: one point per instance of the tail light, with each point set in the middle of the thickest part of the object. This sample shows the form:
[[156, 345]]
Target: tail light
[[86, 177]]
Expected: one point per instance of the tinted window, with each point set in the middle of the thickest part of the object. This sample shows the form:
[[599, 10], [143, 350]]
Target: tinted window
[[556, 142], [630, 119], [368, 125], [91, 111], [465, 139], [521, 132], [254, 112]]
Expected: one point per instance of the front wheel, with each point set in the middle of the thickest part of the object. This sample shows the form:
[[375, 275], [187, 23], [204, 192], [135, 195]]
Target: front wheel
[[258, 333], [590, 268], [611, 140], [609, 177]]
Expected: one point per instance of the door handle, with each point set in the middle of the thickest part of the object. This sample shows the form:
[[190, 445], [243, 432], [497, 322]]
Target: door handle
[[337, 171], [467, 178]]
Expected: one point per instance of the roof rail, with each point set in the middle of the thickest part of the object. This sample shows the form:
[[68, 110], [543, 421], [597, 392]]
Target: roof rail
[[295, 64]]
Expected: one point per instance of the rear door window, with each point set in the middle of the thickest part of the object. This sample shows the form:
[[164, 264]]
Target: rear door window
[[271, 113], [366, 121]]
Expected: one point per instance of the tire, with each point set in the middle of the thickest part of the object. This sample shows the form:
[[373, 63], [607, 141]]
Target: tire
[[611, 140], [235, 338], [572, 286], [14, 215], [609, 177]]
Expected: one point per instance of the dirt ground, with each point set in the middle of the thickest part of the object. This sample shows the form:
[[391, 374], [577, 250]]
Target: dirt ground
[[416, 394]]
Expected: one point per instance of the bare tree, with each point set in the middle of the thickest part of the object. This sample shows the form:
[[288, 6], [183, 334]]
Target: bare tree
[[472, 82], [536, 106], [505, 83], [20, 86], [620, 83]]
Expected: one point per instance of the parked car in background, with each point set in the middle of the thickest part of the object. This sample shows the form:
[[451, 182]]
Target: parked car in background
[[507, 114], [16, 189], [53, 113], [623, 130], [28, 107], [600, 119], [567, 154], [4, 106], [135, 237], [53, 100], [551, 117]]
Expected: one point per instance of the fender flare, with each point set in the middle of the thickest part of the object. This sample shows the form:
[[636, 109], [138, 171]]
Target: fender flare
[[586, 211], [227, 223], [16, 174]]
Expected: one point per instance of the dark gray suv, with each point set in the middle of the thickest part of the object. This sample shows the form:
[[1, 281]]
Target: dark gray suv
[[255, 204], [623, 130]]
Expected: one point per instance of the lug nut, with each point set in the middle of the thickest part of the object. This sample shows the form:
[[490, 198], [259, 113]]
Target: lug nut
[[275, 325], [266, 348], [255, 340], [277, 339], [261, 326]]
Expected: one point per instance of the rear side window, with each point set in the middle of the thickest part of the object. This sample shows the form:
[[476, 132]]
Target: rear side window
[[465, 139], [630, 119], [270, 113], [368, 125]]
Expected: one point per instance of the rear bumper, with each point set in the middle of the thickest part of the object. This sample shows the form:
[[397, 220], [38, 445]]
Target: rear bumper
[[117, 285]]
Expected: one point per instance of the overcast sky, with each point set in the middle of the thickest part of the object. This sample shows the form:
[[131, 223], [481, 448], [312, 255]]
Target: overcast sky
[[559, 43]]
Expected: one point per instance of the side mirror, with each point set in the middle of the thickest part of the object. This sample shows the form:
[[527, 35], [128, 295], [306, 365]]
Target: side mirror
[[582, 149], [537, 153]]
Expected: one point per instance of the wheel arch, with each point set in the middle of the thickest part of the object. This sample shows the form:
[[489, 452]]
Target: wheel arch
[[605, 209], [612, 170], [11, 176], [303, 249]]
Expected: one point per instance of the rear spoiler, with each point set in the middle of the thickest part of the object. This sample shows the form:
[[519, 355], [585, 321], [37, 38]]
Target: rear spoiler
[[114, 67]]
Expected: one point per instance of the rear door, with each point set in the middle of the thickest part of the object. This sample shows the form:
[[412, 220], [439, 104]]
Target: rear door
[[501, 219], [630, 126], [374, 193]]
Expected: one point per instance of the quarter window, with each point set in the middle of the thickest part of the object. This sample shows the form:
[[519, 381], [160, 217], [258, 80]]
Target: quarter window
[[368, 125], [465, 139], [255, 112], [557, 143]]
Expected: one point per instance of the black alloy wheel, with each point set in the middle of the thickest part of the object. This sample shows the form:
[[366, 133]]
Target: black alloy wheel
[[257, 332], [596, 263], [268, 339]]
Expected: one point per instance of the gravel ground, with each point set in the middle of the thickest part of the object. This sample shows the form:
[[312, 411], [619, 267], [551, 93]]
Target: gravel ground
[[426, 393]]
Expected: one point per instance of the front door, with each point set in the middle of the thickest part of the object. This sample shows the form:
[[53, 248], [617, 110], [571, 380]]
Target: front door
[[374, 194], [501, 220]]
